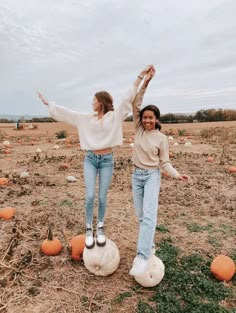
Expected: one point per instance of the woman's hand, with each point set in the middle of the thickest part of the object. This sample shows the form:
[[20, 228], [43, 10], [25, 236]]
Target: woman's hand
[[150, 74], [145, 71], [185, 178], [42, 98]]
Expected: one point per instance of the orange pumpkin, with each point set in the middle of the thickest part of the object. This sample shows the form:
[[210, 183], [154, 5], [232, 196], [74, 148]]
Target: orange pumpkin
[[232, 169], [63, 166], [7, 213], [3, 181], [223, 267], [77, 245], [51, 246], [210, 159]]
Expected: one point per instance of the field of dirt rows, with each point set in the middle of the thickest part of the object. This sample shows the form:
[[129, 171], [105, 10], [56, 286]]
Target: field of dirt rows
[[200, 217]]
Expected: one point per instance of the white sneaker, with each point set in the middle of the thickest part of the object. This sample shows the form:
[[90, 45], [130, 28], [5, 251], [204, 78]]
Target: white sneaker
[[140, 265], [89, 240], [100, 236]]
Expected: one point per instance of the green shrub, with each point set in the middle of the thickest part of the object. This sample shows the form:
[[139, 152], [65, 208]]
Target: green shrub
[[61, 134]]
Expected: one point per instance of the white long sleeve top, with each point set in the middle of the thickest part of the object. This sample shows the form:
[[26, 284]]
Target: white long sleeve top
[[94, 133]]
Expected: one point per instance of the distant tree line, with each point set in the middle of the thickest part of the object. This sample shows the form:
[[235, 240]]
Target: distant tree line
[[32, 120], [211, 115]]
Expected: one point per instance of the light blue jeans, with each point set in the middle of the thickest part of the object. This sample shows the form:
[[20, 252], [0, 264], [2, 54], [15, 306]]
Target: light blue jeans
[[146, 187], [101, 165]]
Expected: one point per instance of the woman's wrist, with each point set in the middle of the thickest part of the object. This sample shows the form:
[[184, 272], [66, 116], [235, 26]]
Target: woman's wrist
[[140, 76], [145, 83]]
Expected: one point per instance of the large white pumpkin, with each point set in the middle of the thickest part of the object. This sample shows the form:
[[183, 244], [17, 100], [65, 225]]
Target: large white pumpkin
[[102, 261], [153, 275]]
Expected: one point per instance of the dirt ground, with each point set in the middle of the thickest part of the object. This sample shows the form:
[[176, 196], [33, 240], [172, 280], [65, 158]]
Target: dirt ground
[[31, 282]]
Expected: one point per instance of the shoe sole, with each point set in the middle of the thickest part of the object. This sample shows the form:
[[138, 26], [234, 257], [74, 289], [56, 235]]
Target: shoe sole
[[90, 247], [101, 244]]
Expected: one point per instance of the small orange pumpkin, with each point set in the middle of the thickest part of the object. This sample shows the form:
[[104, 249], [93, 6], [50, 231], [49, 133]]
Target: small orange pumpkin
[[210, 159], [51, 246], [223, 267], [7, 213], [77, 245], [3, 181], [232, 169], [63, 166]]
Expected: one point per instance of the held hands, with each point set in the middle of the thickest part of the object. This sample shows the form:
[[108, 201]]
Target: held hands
[[145, 71], [149, 74], [42, 98]]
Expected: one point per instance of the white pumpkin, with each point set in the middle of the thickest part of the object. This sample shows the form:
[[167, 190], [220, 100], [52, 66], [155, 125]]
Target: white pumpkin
[[102, 261], [170, 138], [153, 275], [188, 144], [56, 147], [6, 143], [38, 150], [176, 144], [71, 179], [24, 174]]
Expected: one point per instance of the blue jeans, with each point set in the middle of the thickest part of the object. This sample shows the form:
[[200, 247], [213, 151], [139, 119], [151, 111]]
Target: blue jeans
[[146, 187], [101, 165]]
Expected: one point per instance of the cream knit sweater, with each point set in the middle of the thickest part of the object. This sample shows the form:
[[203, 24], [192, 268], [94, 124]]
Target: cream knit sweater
[[94, 133], [151, 148]]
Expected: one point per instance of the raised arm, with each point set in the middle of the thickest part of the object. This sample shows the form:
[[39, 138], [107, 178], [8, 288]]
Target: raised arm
[[136, 104], [126, 104], [61, 113]]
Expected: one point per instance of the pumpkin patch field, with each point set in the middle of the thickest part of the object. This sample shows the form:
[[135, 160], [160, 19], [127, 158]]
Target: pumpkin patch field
[[42, 197]]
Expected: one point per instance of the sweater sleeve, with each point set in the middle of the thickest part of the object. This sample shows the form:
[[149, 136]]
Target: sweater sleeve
[[126, 104], [136, 104], [165, 164], [63, 114]]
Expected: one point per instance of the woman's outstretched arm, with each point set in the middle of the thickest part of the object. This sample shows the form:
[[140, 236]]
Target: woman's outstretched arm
[[61, 113]]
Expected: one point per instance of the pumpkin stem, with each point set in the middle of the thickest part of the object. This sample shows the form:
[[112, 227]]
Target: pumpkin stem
[[50, 235]]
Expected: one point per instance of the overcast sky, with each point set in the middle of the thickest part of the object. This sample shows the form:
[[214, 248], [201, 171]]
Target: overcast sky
[[70, 49]]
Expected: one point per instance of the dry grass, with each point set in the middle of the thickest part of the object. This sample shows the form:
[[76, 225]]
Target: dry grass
[[200, 217]]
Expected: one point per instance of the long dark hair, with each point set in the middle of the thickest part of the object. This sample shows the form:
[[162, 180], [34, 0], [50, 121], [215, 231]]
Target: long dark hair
[[155, 110], [106, 99]]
